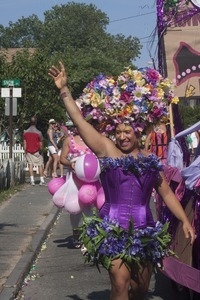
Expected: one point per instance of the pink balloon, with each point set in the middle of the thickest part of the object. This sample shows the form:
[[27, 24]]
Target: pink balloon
[[87, 194], [98, 185], [87, 168], [55, 183], [100, 198]]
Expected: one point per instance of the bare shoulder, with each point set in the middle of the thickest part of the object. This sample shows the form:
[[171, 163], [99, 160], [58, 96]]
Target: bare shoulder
[[49, 130]]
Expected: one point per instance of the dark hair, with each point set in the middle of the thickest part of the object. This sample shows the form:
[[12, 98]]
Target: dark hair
[[33, 120]]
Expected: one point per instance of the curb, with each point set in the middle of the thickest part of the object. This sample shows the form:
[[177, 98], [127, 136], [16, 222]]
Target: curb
[[22, 268]]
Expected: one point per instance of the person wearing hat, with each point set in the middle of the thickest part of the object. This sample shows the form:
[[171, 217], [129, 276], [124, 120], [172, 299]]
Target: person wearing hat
[[52, 148]]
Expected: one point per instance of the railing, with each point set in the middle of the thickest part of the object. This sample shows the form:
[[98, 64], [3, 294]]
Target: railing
[[17, 155]]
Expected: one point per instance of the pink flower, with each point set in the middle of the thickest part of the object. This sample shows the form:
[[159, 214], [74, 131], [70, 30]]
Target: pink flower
[[125, 97], [153, 75], [131, 95], [157, 112]]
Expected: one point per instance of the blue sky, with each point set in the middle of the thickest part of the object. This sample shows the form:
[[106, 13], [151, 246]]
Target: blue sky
[[128, 17]]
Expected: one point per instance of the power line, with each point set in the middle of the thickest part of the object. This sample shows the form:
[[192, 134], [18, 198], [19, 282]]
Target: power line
[[145, 37], [131, 17]]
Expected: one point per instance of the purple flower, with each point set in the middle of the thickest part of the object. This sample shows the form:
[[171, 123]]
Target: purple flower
[[125, 97], [130, 96], [152, 75]]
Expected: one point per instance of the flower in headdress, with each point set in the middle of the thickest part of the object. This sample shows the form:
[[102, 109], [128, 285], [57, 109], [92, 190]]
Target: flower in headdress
[[135, 95], [139, 92], [153, 75], [175, 100]]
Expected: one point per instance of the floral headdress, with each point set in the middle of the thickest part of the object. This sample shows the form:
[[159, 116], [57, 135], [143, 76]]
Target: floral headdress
[[135, 97]]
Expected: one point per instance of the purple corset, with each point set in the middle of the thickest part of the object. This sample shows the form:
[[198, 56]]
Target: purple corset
[[128, 193]]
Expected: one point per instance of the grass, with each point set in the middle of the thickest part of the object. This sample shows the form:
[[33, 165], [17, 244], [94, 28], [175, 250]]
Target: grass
[[7, 194]]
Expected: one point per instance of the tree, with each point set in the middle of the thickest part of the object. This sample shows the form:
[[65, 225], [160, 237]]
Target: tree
[[2, 103], [75, 24], [190, 115], [74, 33], [25, 33], [37, 97]]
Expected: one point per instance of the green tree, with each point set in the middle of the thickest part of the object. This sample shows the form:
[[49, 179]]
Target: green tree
[[25, 33], [74, 33], [190, 115], [2, 103], [37, 96]]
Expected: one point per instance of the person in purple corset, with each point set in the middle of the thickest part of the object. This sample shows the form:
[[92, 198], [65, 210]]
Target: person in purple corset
[[124, 237]]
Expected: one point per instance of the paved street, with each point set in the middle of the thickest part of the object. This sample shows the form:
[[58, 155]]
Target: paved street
[[59, 272], [36, 237]]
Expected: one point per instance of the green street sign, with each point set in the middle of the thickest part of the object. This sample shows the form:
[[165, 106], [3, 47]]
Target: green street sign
[[10, 82]]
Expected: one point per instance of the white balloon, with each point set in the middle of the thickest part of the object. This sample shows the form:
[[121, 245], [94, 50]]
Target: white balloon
[[196, 2], [71, 201]]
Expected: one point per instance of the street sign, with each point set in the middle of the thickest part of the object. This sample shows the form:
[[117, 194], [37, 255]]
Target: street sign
[[10, 82], [16, 92], [7, 107]]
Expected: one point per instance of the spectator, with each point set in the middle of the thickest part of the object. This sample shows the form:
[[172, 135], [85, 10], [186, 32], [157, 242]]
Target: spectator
[[33, 146], [61, 134], [52, 148], [195, 142]]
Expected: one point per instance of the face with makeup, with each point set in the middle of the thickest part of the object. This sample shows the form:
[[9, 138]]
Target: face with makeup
[[126, 138]]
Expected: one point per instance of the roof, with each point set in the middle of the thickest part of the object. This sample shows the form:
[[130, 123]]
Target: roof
[[11, 52]]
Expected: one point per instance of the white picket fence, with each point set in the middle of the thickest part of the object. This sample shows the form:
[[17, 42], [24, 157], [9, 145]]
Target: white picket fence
[[17, 155]]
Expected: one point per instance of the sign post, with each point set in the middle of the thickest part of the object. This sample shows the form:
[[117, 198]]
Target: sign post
[[11, 123], [10, 91]]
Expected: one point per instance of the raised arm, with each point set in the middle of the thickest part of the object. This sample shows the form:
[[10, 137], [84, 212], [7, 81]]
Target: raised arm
[[94, 140]]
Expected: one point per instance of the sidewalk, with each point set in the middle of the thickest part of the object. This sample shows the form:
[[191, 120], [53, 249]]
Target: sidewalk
[[24, 221]]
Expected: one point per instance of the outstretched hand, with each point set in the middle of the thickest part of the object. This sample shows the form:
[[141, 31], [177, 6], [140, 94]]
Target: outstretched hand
[[59, 76]]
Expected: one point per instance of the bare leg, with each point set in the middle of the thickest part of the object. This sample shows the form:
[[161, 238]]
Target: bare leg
[[41, 171], [120, 280], [31, 170], [47, 166], [140, 279], [129, 284], [55, 164], [31, 173]]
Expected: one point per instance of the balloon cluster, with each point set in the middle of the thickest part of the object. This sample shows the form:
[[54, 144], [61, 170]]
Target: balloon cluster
[[82, 189]]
